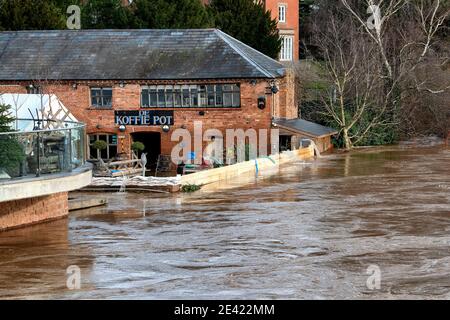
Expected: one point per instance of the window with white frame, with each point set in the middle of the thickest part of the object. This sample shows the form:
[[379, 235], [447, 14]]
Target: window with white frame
[[282, 13], [286, 53], [191, 96], [111, 146]]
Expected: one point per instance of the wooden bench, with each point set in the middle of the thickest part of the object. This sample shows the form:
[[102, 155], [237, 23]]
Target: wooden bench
[[119, 168]]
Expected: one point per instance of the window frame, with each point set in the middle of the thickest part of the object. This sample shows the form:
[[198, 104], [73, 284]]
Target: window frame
[[287, 48], [188, 96], [109, 144], [282, 8], [34, 89], [102, 97]]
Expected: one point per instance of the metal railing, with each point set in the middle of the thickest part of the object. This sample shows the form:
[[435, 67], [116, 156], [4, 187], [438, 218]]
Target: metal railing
[[41, 147]]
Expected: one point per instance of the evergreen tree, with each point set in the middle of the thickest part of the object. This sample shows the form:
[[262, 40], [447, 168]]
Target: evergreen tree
[[106, 14], [11, 151], [171, 14], [248, 21], [30, 15], [5, 118]]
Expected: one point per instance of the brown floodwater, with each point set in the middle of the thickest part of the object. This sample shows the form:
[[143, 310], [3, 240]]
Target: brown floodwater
[[310, 231]]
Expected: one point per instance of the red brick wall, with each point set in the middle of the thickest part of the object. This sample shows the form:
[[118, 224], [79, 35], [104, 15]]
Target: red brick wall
[[128, 98], [292, 20], [24, 212]]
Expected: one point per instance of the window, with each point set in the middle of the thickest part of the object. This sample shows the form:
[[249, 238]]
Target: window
[[286, 48], [101, 97], [191, 96], [106, 154], [282, 13], [31, 89]]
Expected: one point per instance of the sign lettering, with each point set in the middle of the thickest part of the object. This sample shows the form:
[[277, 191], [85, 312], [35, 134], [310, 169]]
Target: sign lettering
[[144, 118]]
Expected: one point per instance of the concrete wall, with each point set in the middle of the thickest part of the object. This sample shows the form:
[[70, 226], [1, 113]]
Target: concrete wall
[[232, 172], [19, 213]]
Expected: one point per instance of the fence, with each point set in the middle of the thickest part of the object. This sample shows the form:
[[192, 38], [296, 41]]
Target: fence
[[61, 147]]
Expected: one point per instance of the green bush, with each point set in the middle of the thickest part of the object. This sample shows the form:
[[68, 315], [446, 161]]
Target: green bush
[[137, 146], [100, 145], [11, 155], [188, 188]]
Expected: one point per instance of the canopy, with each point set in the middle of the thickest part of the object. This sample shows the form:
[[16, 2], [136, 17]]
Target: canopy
[[36, 106]]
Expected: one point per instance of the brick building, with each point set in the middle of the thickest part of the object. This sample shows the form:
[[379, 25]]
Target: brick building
[[287, 13], [175, 77]]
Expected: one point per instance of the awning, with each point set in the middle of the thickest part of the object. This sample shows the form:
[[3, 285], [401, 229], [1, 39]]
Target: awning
[[303, 127]]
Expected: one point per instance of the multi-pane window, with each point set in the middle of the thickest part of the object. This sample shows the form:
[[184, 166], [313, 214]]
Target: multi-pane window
[[286, 48], [282, 13], [101, 97], [106, 154], [191, 96], [31, 89]]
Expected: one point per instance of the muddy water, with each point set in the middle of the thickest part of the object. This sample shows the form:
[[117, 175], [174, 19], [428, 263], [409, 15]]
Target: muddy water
[[310, 232]]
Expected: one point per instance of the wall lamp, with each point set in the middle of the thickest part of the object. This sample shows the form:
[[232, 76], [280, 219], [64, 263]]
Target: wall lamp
[[122, 84], [165, 128], [75, 86], [122, 128], [274, 88]]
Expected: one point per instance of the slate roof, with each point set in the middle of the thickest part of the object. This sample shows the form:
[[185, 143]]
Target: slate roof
[[130, 55], [305, 127]]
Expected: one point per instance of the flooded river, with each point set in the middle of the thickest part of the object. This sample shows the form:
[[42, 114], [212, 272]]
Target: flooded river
[[312, 231]]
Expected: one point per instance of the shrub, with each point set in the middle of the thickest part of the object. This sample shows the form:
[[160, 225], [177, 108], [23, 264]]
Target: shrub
[[188, 188], [137, 146], [100, 145]]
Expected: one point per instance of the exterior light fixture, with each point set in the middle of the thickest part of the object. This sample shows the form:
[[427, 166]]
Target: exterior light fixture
[[122, 128], [165, 128], [274, 88], [253, 82], [262, 103], [75, 86], [122, 84]]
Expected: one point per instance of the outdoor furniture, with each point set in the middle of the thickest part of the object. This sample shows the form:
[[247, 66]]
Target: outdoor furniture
[[118, 168]]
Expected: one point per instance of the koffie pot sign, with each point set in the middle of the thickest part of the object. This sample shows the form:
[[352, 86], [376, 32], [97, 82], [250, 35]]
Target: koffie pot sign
[[144, 118]]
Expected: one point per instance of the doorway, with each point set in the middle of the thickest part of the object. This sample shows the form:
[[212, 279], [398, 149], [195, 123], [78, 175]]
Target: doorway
[[152, 143]]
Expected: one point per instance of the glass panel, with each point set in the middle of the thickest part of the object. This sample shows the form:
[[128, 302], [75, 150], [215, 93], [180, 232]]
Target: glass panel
[[104, 154], [202, 96], [145, 98], [211, 96], [169, 97], [186, 98], [236, 99], [194, 97], [227, 100], [177, 96], [219, 95], [161, 98], [112, 151], [153, 98]]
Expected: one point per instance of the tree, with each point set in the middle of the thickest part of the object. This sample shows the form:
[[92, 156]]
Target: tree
[[171, 14], [106, 14], [373, 68], [11, 151], [5, 118], [30, 15], [249, 22]]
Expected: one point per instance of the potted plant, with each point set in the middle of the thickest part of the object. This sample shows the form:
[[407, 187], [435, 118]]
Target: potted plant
[[99, 145], [137, 147]]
